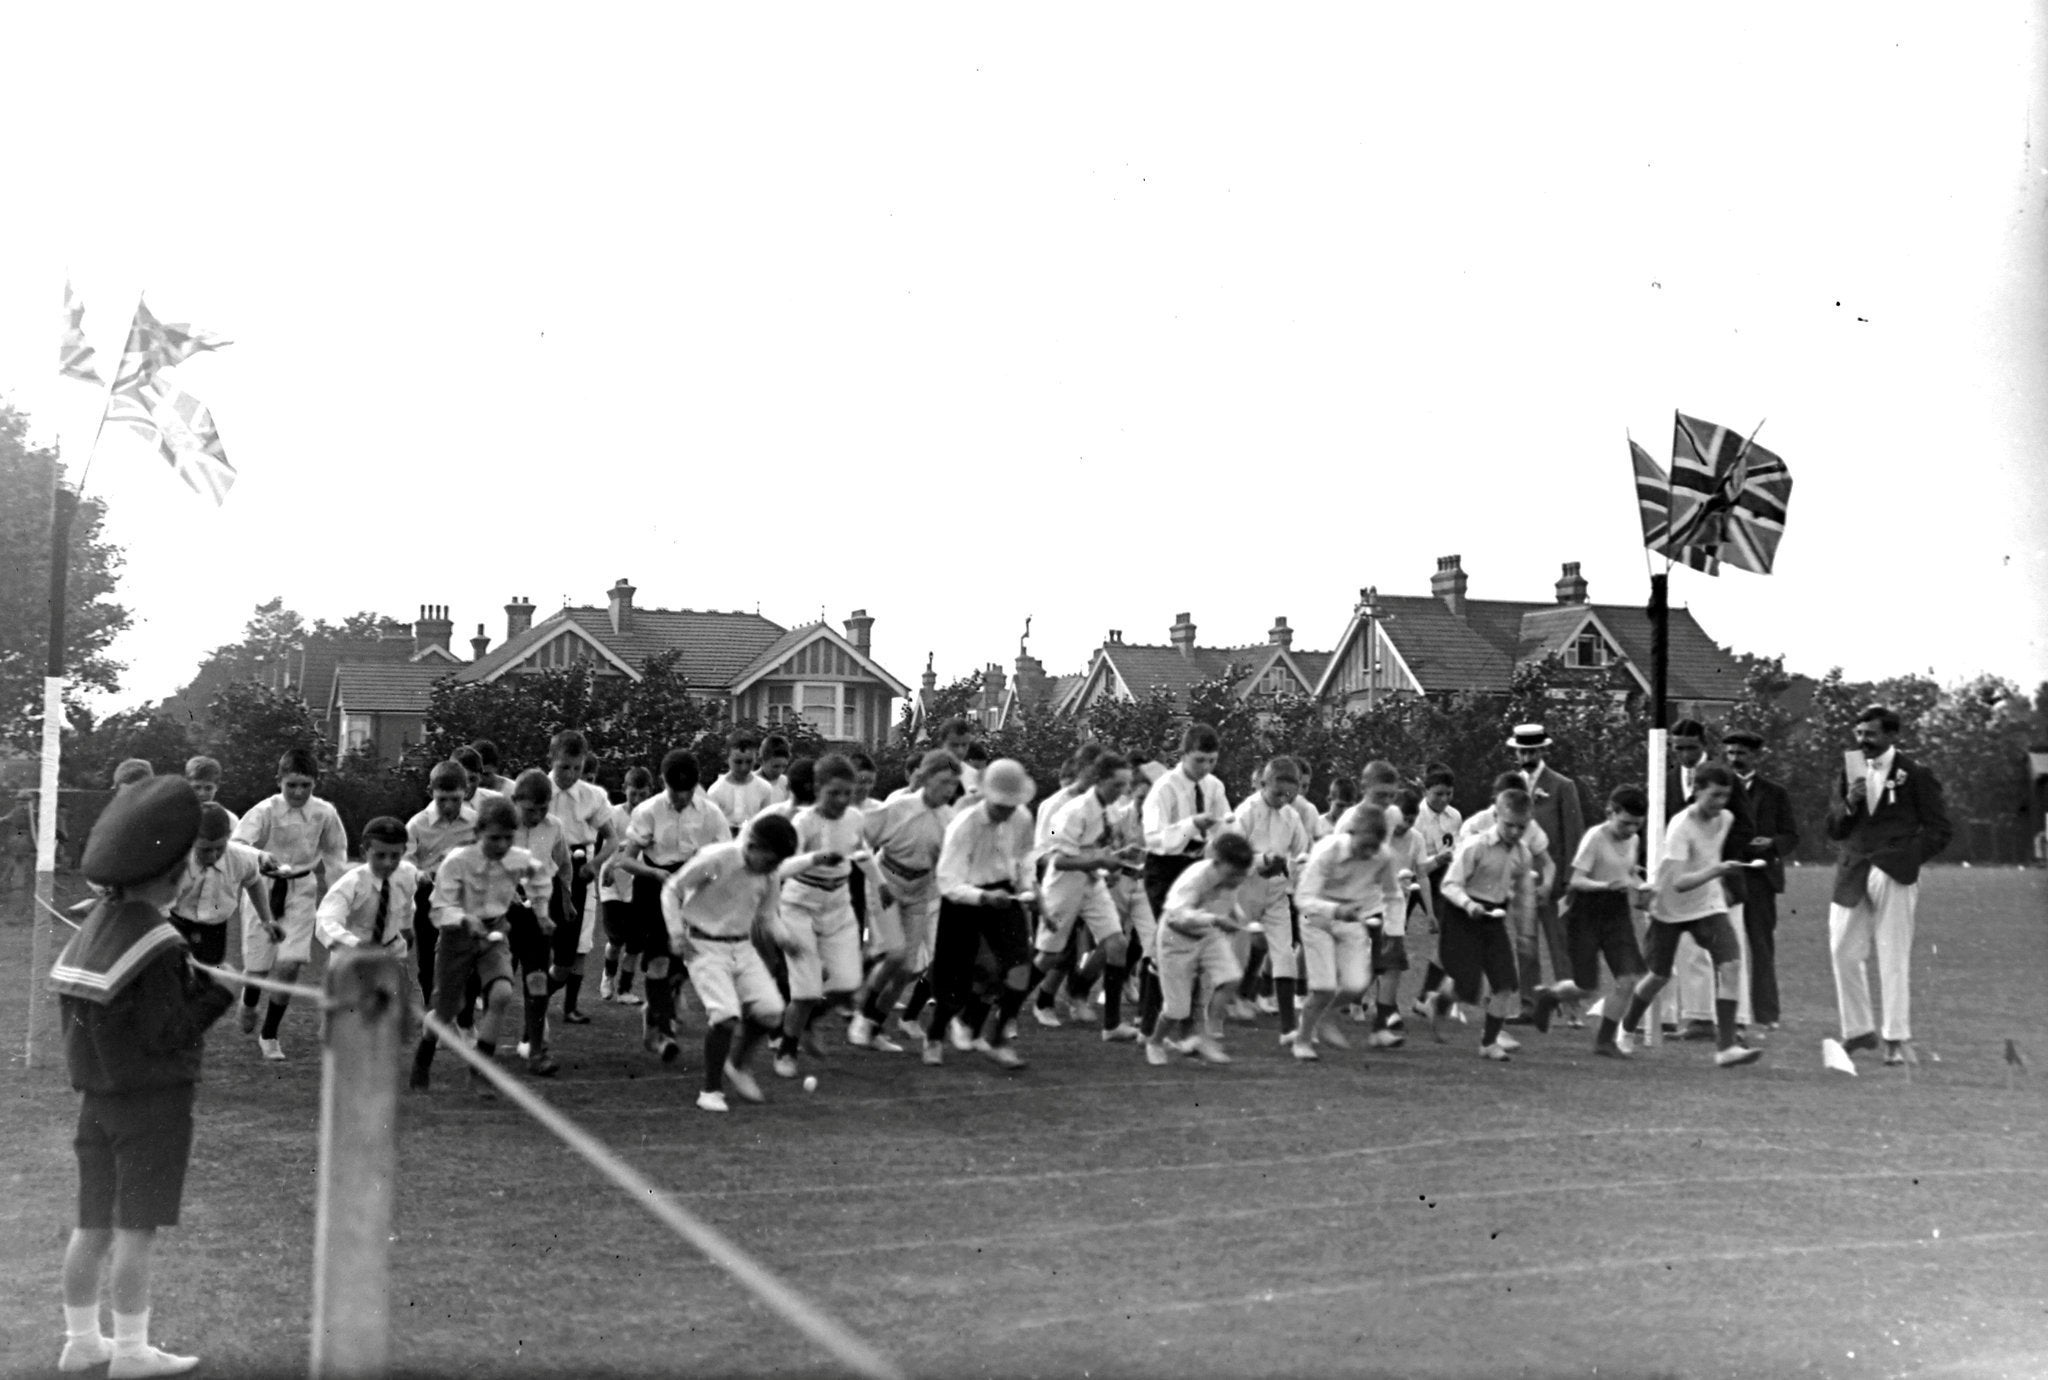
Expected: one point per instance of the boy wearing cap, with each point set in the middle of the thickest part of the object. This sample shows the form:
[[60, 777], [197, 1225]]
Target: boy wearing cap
[[1560, 815], [134, 1016], [303, 835], [1774, 837], [985, 886], [220, 875]]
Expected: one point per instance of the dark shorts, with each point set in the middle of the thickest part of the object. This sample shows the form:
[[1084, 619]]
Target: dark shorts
[[1715, 933], [1472, 947], [618, 926], [461, 958], [1162, 870], [1389, 953], [209, 943], [1601, 924], [650, 931], [536, 952], [132, 1151]]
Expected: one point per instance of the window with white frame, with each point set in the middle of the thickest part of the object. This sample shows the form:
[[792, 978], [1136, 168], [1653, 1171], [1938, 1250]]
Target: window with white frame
[[356, 731], [1589, 648], [820, 704]]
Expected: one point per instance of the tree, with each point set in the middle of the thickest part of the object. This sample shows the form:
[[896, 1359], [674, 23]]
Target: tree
[[91, 618], [249, 726], [93, 748], [955, 700], [272, 635]]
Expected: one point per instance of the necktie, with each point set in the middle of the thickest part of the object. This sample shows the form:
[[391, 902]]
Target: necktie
[[383, 911]]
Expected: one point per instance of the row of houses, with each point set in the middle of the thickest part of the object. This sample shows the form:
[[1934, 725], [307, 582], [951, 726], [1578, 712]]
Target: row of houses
[[374, 691]]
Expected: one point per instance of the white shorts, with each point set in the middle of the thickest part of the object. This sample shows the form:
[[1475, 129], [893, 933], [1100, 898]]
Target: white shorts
[[905, 929], [822, 962], [1183, 961], [260, 953], [1135, 908], [1337, 953], [1084, 899], [731, 979]]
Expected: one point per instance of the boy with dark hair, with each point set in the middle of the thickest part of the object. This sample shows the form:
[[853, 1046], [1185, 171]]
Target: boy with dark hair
[[615, 897], [472, 764], [1182, 810], [740, 794], [446, 824], [303, 835], [1607, 876], [1347, 890], [543, 940], [1200, 915], [1491, 873], [1280, 844], [134, 1017], [583, 812], [822, 935], [474, 893], [712, 909], [372, 903], [132, 772], [220, 876], [1688, 900], [906, 836], [775, 762], [1084, 851], [488, 776], [666, 831]]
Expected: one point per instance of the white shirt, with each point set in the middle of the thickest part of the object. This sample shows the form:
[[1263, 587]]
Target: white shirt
[[741, 801], [583, 811], [1172, 805], [1335, 877], [348, 912], [306, 837], [667, 836], [979, 853], [907, 836], [213, 895], [715, 894], [1876, 771]]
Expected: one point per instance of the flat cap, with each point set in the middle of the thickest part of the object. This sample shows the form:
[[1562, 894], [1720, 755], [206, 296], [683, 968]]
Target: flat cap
[[143, 832]]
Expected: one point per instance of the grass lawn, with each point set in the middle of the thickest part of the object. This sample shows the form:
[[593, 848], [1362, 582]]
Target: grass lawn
[[1412, 1213]]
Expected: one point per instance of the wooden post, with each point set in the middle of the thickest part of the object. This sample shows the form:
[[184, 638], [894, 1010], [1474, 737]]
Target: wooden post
[[63, 508], [1653, 842], [358, 1164]]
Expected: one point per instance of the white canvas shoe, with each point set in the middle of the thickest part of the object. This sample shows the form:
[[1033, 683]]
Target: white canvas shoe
[[148, 1361]]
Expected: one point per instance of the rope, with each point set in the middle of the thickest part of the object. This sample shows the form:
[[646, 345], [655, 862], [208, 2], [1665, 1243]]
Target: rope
[[855, 1354], [250, 980], [58, 913]]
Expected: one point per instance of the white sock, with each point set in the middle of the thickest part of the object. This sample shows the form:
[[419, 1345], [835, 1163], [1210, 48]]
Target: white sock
[[83, 1323], [131, 1331]]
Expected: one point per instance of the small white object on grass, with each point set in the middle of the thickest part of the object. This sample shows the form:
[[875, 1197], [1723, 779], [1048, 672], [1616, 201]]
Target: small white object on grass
[[1833, 1056], [811, 1083]]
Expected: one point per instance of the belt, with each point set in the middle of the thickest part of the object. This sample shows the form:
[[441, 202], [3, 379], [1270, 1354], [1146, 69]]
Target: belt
[[833, 885], [696, 933], [908, 874]]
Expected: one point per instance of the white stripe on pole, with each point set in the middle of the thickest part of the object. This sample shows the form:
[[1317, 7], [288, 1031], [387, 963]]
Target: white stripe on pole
[[40, 955]]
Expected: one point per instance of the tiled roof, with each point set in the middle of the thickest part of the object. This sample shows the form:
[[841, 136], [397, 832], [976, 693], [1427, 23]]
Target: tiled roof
[[1544, 630], [315, 678], [1142, 668], [774, 652], [716, 647], [1312, 665], [385, 688], [1479, 650]]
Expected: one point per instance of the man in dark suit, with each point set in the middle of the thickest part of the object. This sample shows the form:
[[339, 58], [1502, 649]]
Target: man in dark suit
[[1773, 835], [1561, 815], [1889, 819]]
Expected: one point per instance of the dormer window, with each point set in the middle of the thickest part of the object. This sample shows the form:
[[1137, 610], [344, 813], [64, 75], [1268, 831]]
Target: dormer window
[[1589, 649]]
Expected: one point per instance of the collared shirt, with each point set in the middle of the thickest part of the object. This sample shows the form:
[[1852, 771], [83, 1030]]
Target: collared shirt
[[1276, 831], [213, 895], [615, 883], [667, 836], [1533, 838], [778, 790], [715, 894], [1048, 815], [1312, 821], [1685, 775], [471, 885], [1488, 870], [1172, 805], [478, 796], [1439, 828], [1605, 856], [1199, 895], [980, 853], [1876, 771], [307, 837], [1336, 876], [550, 852], [809, 885], [583, 811], [348, 912], [907, 835], [429, 838], [1411, 854], [741, 801], [1690, 844]]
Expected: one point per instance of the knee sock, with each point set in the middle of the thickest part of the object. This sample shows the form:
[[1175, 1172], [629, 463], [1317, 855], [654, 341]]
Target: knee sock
[[1491, 1029], [1632, 1020], [423, 1053], [251, 996], [1112, 997], [920, 997], [1082, 980], [1381, 1011], [1724, 1022], [1608, 1026], [1432, 978], [273, 1016], [749, 1034], [487, 1048], [611, 960], [1007, 1006], [872, 1008], [1150, 1002], [627, 964], [1283, 992], [717, 1049], [1248, 984], [536, 1022], [572, 986]]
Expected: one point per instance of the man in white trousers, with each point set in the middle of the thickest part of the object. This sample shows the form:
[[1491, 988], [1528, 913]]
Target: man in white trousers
[[1888, 818]]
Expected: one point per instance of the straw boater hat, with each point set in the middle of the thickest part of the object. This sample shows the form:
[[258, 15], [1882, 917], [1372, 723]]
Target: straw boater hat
[[1005, 782], [1529, 736]]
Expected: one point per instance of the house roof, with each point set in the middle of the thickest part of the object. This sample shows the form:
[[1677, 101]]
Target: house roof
[[385, 688], [1479, 651], [716, 647], [1307, 666], [1142, 668], [313, 670]]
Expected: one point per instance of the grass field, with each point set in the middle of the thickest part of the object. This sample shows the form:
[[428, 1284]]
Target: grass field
[[1412, 1213]]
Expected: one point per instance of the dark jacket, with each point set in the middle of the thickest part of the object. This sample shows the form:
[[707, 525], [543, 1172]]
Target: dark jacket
[[149, 1036], [1563, 818], [1770, 810], [1905, 826]]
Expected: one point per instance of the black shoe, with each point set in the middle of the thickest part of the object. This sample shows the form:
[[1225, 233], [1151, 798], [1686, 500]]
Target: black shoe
[[1546, 1007], [1864, 1042], [575, 1018], [1698, 1030]]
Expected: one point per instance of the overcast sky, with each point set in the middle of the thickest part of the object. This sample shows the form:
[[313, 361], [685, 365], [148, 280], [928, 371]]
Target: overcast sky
[[1095, 314]]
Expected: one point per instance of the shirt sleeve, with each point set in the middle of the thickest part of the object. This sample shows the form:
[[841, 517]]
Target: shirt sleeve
[[1168, 824], [448, 895], [1459, 873], [250, 830], [1586, 861], [956, 862], [330, 921], [1313, 896], [333, 845]]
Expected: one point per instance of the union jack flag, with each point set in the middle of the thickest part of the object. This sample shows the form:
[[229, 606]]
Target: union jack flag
[[1728, 496], [74, 356], [154, 345], [1653, 499], [182, 430]]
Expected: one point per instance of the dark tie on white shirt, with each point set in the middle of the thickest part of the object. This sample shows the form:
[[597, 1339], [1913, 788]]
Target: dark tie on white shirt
[[383, 911]]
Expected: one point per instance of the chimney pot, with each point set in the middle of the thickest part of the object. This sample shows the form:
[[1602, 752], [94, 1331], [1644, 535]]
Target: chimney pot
[[1448, 584], [860, 630], [1571, 586], [1182, 634], [1280, 635], [621, 601]]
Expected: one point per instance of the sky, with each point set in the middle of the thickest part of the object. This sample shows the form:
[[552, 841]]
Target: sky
[[1091, 314]]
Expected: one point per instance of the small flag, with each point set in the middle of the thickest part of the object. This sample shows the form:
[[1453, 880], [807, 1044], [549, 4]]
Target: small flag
[[154, 345], [1728, 496], [2014, 1057], [1653, 501], [74, 356], [182, 430], [1833, 1056]]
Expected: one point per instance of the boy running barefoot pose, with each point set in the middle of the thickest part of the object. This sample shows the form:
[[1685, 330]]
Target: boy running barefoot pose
[[1194, 948], [1346, 892], [1689, 900], [713, 908], [303, 835], [1600, 898], [474, 893], [906, 836], [1489, 875]]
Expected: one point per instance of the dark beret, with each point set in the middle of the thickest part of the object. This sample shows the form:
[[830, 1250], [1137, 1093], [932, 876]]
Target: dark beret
[[1742, 737], [143, 832]]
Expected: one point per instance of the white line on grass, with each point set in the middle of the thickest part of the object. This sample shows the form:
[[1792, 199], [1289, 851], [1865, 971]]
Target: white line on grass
[[1377, 1283], [1095, 1227]]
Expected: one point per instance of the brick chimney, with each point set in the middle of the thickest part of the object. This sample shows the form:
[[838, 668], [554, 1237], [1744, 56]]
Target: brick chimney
[[518, 616], [622, 605], [859, 629], [479, 644], [1280, 635], [1030, 677], [1571, 587], [930, 678], [1448, 584], [434, 629], [993, 682], [1182, 634], [1115, 638]]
